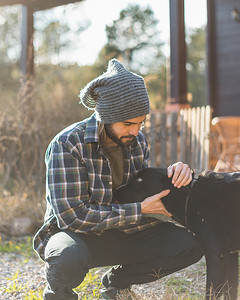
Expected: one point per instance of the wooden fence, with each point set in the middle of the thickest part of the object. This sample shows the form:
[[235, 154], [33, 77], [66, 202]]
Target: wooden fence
[[179, 136]]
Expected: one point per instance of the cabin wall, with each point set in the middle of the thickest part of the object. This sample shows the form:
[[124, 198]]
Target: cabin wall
[[224, 57]]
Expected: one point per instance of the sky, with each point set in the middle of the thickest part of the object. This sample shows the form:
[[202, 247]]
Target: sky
[[102, 13]]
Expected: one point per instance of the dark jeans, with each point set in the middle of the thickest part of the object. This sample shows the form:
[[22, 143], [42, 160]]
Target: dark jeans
[[141, 257]]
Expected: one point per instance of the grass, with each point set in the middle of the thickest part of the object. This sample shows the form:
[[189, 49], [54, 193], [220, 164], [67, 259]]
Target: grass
[[20, 250], [89, 289], [21, 246], [188, 284], [14, 287]]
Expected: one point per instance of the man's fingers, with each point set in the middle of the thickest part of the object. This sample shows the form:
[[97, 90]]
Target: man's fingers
[[181, 174], [170, 171], [187, 179], [154, 205], [163, 193], [163, 209], [184, 178], [166, 213], [177, 169]]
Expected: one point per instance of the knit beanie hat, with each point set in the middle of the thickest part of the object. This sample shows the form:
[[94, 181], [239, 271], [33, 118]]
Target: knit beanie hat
[[116, 95]]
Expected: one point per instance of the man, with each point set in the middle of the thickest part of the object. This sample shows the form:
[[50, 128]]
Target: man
[[83, 227]]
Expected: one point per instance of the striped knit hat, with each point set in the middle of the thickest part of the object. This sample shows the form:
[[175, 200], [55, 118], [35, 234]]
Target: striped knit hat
[[117, 95]]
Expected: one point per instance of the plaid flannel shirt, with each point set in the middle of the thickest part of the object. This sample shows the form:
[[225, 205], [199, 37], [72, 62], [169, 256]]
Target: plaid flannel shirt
[[79, 185]]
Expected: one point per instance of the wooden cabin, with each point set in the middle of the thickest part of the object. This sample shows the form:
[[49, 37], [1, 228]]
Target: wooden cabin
[[223, 47]]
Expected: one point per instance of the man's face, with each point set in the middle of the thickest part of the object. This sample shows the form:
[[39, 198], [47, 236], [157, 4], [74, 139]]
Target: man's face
[[124, 133]]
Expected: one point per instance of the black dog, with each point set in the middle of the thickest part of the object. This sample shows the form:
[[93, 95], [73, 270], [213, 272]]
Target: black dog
[[210, 208]]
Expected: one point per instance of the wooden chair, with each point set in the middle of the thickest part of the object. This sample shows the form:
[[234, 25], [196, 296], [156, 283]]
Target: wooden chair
[[227, 129]]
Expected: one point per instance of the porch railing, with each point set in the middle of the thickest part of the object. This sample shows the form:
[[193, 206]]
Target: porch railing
[[183, 135]]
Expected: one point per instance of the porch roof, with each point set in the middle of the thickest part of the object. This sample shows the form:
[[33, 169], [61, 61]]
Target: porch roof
[[37, 5]]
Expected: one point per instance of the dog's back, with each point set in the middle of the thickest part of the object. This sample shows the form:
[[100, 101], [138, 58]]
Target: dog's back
[[215, 199]]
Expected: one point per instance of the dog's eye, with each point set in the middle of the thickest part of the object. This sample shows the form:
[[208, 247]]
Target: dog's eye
[[139, 179]]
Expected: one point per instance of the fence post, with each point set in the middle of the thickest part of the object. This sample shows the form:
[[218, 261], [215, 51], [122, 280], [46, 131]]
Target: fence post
[[189, 136], [153, 140], [197, 145], [163, 139], [202, 133], [173, 137], [207, 136], [183, 135]]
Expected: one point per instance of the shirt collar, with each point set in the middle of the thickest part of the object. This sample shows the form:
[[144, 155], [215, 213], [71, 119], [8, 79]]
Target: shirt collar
[[91, 133]]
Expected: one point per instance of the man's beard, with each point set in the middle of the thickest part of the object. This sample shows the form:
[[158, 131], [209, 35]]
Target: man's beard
[[119, 141]]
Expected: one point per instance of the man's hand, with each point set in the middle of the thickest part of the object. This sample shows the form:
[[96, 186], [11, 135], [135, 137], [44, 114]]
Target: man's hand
[[154, 205], [181, 173], [182, 176]]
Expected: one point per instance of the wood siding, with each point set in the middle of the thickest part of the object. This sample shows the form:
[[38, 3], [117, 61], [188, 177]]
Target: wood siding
[[225, 56]]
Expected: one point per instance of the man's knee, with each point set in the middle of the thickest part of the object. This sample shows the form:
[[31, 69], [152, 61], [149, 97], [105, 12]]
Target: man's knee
[[192, 251], [187, 248], [195, 253], [66, 260]]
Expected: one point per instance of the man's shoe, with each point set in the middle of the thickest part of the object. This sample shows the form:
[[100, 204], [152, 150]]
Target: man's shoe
[[49, 294], [113, 293]]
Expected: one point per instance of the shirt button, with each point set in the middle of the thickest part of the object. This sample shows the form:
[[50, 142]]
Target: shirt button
[[110, 182]]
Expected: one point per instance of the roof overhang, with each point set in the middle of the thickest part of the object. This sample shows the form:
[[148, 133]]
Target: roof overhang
[[38, 4]]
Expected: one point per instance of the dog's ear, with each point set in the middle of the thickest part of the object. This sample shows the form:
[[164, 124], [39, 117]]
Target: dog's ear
[[162, 171], [163, 174]]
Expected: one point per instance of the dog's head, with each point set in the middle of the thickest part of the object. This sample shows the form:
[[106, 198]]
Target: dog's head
[[145, 183]]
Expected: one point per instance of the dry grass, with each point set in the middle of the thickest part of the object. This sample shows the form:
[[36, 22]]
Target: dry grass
[[18, 258], [27, 125], [188, 283]]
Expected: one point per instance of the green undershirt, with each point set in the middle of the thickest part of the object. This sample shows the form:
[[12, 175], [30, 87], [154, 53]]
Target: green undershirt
[[115, 157]]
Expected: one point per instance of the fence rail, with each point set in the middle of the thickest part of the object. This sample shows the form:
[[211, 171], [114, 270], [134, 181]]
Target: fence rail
[[184, 135]]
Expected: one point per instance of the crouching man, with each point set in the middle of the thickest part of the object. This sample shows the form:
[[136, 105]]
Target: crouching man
[[83, 227]]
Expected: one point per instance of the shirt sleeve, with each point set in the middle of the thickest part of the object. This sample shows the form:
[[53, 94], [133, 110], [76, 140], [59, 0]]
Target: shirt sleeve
[[67, 194]]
